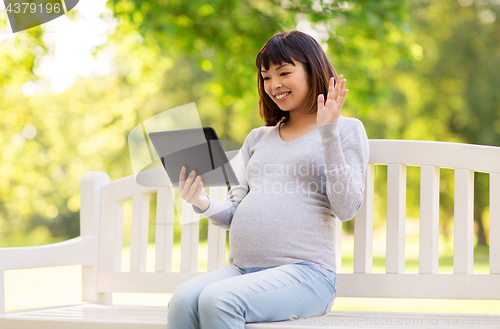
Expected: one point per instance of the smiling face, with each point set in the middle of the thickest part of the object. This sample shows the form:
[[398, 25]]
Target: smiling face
[[287, 85], [298, 51]]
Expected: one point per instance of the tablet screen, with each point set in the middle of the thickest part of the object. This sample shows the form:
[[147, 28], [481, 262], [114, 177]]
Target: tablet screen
[[197, 149]]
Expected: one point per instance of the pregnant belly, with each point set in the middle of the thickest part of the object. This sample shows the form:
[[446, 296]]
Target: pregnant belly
[[255, 211], [262, 222]]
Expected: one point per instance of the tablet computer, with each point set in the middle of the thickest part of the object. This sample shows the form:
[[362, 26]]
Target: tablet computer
[[197, 149]]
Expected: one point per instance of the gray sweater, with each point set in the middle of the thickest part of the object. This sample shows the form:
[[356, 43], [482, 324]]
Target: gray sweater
[[282, 211]]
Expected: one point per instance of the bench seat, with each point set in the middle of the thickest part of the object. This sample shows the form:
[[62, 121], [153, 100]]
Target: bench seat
[[88, 316], [95, 316]]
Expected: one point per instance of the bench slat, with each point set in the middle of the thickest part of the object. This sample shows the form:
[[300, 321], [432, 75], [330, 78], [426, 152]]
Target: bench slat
[[190, 236], [373, 285], [139, 232], [216, 247], [363, 228], [381, 319], [434, 286], [463, 250], [111, 237], [89, 316], [396, 217], [125, 188], [149, 282], [441, 154], [91, 185], [2, 292], [216, 239], [164, 235], [429, 220], [338, 244], [494, 223]]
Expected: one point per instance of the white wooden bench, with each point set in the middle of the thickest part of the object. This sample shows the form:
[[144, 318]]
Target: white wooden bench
[[99, 248]]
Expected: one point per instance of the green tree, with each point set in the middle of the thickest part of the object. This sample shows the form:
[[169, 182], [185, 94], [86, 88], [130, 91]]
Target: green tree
[[450, 94], [168, 53]]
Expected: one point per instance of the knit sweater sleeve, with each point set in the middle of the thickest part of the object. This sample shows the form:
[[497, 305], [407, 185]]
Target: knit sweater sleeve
[[221, 213], [346, 160]]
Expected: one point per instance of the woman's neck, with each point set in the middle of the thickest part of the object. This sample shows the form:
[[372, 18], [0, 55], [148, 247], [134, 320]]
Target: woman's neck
[[301, 120]]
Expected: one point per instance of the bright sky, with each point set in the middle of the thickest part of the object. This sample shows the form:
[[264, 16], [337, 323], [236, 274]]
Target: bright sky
[[72, 44]]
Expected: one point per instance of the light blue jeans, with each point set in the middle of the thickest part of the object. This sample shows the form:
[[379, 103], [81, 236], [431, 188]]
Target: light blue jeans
[[229, 297]]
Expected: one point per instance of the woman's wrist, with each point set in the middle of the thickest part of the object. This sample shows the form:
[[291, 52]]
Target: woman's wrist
[[204, 204]]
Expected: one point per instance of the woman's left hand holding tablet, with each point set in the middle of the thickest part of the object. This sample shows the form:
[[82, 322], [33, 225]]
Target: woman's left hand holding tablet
[[329, 112], [191, 190]]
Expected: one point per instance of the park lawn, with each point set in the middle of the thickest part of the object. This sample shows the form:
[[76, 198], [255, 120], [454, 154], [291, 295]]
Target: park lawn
[[62, 285]]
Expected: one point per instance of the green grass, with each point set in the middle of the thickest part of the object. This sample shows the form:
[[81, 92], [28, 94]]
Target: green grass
[[62, 285]]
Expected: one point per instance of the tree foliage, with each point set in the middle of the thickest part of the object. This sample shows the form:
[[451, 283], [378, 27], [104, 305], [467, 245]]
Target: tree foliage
[[410, 75]]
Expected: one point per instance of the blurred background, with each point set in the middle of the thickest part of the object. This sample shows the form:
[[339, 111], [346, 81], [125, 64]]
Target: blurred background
[[72, 89]]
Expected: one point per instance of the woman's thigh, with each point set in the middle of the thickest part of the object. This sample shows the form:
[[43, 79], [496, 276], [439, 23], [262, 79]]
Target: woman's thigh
[[190, 290], [278, 293]]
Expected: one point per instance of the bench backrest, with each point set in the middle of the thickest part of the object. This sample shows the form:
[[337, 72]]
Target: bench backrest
[[103, 214], [464, 159]]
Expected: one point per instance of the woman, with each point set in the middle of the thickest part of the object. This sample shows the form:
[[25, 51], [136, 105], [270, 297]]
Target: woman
[[300, 171]]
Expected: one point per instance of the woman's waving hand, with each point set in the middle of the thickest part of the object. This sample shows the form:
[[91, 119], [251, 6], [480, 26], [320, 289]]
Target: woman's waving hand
[[329, 112]]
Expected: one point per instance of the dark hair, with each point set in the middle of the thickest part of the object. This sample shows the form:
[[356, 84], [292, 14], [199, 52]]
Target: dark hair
[[285, 47]]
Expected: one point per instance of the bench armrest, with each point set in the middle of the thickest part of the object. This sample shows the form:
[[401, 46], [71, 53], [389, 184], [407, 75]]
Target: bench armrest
[[77, 251]]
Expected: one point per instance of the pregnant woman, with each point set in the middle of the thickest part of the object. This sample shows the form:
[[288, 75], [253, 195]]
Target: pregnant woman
[[301, 170]]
